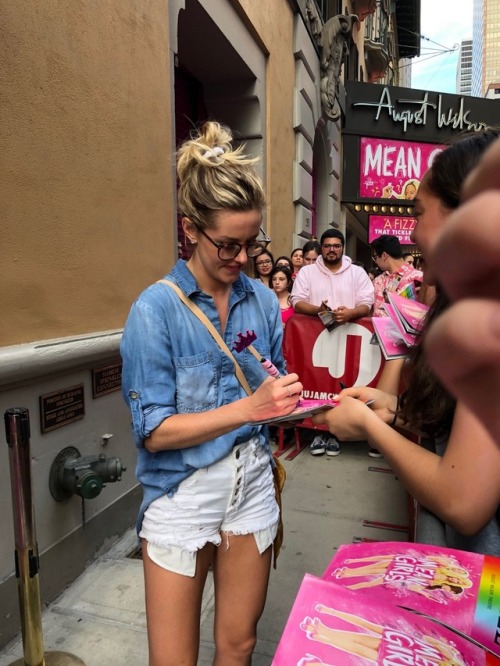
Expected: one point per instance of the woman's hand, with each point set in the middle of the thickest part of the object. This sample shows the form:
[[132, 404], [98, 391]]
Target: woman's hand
[[383, 404], [274, 398], [348, 420]]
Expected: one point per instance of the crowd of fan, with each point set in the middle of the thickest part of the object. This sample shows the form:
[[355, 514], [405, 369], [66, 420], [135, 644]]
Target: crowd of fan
[[411, 404]]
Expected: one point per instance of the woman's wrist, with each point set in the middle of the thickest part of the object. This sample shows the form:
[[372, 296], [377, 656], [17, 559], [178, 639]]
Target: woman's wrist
[[369, 423]]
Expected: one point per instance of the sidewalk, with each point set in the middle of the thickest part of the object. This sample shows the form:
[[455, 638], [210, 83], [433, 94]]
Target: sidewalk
[[100, 618]]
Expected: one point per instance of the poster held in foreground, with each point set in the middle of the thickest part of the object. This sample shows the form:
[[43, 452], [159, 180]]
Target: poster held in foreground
[[457, 587], [330, 625]]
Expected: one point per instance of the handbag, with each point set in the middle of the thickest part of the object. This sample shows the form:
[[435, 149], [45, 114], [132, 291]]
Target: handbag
[[279, 472]]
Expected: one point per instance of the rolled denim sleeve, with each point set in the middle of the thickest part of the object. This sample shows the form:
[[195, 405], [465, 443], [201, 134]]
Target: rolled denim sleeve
[[147, 371]]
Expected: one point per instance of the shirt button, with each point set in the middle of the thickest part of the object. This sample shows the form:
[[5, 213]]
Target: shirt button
[[133, 395], [237, 454]]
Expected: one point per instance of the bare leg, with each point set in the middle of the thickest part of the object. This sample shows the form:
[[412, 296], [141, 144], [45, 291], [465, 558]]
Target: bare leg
[[241, 577], [173, 607]]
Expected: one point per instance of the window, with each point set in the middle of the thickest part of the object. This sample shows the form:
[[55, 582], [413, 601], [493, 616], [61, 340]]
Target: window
[[328, 8]]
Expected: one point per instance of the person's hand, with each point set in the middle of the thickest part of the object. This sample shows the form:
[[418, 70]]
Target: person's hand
[[387, 192], [347, 420], [383, 404], [324, 306], [343, 314], [274, 398]]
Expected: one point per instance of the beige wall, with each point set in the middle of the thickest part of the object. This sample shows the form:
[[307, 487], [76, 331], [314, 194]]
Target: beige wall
[[273, 22], [86, 146], [86, 168]]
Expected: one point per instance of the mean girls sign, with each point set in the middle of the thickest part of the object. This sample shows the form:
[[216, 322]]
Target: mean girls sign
[[391, 169]]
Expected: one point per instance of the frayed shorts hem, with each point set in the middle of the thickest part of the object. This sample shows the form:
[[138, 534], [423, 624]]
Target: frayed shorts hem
[[180, 560]]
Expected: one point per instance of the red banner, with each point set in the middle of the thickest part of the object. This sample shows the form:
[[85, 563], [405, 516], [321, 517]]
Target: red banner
[[323, 359]]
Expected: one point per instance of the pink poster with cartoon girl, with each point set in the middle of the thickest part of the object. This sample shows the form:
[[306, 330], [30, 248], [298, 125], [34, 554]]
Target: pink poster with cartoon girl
[[332, 626], [457, 587], [391, 169]]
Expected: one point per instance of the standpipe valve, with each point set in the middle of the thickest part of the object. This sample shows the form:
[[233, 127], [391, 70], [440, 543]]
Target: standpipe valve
[[73, 474]]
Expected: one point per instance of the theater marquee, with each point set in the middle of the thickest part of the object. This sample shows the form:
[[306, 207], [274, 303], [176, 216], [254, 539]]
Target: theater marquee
[[390, 138]]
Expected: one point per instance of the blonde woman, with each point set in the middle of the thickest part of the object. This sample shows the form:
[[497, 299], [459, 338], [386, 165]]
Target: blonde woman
[[203, 463]]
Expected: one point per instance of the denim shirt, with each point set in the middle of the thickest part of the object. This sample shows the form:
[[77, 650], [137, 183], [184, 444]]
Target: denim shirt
[[172, 365]]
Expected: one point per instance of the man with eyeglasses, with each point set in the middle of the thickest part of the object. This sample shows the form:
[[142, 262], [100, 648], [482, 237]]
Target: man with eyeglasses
[[333, 283], [397, 275]]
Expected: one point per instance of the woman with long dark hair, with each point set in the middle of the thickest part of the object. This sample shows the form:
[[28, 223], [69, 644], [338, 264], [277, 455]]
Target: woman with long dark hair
[[280, 281], [460, 481], [263, 265], [297, 258]]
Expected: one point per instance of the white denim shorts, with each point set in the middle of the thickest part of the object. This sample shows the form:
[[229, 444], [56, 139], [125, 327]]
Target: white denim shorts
[[234, 496]]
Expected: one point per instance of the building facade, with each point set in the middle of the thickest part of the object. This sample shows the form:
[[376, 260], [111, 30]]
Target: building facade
[[464, 68], [486, 46]]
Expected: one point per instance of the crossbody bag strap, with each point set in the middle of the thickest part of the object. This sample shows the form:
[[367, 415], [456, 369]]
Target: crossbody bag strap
[[213, 331]]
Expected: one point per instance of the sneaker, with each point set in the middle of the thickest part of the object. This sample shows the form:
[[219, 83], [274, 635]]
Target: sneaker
[[317, 446], [332, 446], [374, 453]]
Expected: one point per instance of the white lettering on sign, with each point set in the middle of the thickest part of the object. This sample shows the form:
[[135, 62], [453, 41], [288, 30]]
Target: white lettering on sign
[[417, 114], [403, 162]]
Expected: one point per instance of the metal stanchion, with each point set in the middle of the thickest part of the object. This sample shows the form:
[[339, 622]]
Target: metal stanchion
[[17, 428]]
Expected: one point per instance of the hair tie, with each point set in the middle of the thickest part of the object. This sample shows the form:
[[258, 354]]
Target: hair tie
[[214, 153]]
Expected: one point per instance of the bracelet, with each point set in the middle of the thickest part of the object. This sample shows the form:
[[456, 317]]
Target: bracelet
[[395, 417]]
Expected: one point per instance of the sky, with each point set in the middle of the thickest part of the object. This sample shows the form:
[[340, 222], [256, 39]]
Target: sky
[[446, 22]]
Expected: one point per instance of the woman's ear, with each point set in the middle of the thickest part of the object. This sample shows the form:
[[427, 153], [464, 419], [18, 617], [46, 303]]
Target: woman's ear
[[190, 230]]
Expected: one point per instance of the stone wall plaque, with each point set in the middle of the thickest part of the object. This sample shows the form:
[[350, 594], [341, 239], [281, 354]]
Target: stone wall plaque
[[61, 407], [106, 380]]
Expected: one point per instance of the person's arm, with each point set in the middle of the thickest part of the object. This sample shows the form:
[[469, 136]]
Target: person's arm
[[302, 307], [364, 294], [390, 378], [182, 430], [301, 294], [273, 398], [150, 384], [461, 487]]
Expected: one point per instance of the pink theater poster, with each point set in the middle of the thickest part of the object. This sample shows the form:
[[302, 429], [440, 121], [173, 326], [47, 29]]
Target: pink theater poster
[[330, 625], [392, 169], [391, 225], [454, 586]]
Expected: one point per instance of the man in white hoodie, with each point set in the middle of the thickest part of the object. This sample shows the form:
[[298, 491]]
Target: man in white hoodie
[[334, 283]]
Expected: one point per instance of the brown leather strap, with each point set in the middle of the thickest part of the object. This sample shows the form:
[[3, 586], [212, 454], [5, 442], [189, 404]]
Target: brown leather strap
[[213, 331]]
